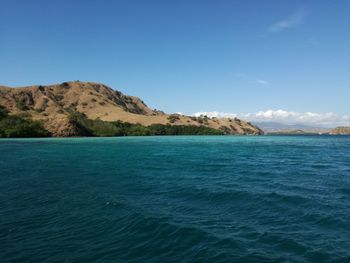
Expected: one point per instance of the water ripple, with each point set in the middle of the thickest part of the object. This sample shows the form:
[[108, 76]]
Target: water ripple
[[175, 199]]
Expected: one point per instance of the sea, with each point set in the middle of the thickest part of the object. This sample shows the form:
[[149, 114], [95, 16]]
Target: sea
[[175, 199]]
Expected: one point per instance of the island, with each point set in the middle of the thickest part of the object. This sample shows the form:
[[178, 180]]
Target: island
[[340, 131], [92, 109]]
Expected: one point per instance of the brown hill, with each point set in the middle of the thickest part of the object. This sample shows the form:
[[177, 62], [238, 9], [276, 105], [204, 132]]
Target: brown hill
[[340, 131], [53, 104]]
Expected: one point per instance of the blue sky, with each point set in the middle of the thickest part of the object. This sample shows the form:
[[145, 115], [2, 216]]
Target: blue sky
[[186, 56]]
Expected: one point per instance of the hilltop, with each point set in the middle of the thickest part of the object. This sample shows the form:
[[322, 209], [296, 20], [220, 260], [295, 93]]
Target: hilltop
[[64, 108]]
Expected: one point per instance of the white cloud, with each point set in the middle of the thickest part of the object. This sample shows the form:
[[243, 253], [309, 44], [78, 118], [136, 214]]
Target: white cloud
[[291, 21], [263, 82], [252, 79], [329, 119], [215, 114]]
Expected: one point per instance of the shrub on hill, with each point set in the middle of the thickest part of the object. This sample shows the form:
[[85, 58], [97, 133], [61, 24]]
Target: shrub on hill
[[88, 127], [173, 118], [19, 126], [225, 129], [15, 126], [21, 106], [3, 112]]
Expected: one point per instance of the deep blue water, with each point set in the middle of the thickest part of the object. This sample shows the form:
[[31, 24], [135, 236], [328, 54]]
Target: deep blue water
[[175, 199]]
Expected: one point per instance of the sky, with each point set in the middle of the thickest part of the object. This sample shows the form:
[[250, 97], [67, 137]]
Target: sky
[[274, 60]]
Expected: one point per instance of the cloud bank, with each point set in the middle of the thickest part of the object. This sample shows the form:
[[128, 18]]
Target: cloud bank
[[329, 119]]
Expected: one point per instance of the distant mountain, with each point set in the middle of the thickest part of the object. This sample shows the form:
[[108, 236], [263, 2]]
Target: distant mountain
[[54, 105], [340, 131], [276, 127]]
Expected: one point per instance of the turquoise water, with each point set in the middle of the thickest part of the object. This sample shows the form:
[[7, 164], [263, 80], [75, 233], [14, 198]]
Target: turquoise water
[[175, 199]]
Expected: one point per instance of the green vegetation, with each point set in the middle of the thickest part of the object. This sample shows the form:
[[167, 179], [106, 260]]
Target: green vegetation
[[21, 106], [15, 126], [172, 118], [58, 97], [3, 112], [88, 127], [203, 119], [19, 126]]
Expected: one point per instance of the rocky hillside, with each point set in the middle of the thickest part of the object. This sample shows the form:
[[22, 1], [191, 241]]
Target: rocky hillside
[[340, 131], [53, 104]]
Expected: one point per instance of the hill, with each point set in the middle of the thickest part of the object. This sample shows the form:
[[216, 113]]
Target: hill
[[291, 132], [277, 127], [65, 108], [340, 131]]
